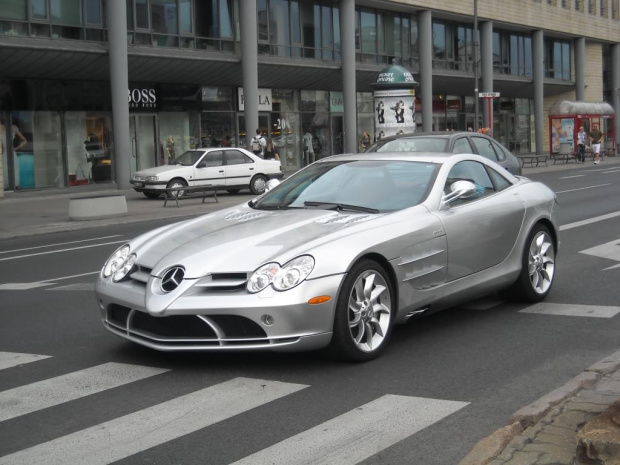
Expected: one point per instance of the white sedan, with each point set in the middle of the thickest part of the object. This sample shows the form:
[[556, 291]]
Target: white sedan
[[227, 168]]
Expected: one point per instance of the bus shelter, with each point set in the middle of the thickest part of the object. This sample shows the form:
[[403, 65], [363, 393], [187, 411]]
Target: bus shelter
[[566, 117]]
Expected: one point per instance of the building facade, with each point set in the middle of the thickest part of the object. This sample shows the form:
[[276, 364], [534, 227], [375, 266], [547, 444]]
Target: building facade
[[93, 90]]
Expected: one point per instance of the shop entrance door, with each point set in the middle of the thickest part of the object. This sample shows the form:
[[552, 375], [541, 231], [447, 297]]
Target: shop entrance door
[[337, 130], [144, 147]]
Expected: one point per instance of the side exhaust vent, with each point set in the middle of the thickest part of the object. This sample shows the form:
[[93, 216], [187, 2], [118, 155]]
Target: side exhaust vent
[[416, 312]]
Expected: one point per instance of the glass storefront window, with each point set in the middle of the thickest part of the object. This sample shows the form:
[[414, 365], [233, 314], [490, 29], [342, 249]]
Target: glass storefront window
[[37, 149], [89, 154], [218, 128], [38, 9], [175, 136]]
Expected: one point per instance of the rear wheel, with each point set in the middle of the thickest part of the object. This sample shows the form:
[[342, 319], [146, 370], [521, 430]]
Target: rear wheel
[[257, 184], [175, 184], [233, 191], [364, 314], [537, 268]]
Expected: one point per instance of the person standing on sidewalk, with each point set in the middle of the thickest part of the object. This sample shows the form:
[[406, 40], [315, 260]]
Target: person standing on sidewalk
[[582, 137], [595, 140]]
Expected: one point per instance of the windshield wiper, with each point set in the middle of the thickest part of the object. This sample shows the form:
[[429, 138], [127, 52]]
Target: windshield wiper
[[339, 206]]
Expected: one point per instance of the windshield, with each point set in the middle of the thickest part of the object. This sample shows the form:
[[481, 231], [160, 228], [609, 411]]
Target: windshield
[[411, 144], [188, 158], [371, 186]]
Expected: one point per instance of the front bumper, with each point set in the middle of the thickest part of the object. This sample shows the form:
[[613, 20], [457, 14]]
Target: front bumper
[[217, 320]]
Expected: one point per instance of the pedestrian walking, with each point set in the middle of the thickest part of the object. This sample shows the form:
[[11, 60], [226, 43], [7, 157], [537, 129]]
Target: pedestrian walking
[[595, 140], [364, 141], [582, 138], [270, 151], [258, 144]]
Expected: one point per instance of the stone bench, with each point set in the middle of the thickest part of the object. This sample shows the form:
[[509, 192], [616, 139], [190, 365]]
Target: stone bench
[[97, 207]]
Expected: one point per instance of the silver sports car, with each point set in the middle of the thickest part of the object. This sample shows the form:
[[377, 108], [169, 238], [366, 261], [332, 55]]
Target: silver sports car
[[334, 256]]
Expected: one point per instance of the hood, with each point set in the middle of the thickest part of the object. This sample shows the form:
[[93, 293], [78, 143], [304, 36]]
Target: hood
[[160, 169], [240, 239]]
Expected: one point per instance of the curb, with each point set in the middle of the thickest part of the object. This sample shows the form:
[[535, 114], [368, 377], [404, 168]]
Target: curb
[[490, 447]]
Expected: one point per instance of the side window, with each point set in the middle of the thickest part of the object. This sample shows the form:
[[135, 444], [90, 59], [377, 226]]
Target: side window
[[211, 159], [501, 153], [484, 147], [474, 172], [235, 157], [462, 145], [499, 181]]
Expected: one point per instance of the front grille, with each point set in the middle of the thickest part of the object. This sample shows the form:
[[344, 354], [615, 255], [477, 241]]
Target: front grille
[[223, 282], [215, 329]]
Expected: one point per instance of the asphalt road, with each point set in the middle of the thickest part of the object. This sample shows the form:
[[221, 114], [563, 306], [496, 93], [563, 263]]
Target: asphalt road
[[444, 382]]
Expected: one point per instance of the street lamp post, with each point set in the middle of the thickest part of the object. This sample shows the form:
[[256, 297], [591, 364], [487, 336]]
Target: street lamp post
[[477, 110]]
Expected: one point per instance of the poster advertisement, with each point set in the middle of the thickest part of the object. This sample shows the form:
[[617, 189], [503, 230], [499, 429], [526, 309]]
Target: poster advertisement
[[562, 133], [394, 112]]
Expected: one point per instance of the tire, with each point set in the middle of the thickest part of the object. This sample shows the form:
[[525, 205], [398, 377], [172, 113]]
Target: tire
[[364, 308], [177, 182], [257, 184], [537, 268], [151, 195], [233, 191]]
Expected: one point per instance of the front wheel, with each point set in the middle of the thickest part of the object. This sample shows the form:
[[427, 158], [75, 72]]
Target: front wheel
[[175, 184], [537, 268], [257, 184], [364, 314]]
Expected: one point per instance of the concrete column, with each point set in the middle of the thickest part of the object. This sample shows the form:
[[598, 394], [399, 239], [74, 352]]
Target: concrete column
[[425, 28], [486, 68], [580, 69], [119, 84], [349, 87], [615, 86], [249, 66], [539, 81]]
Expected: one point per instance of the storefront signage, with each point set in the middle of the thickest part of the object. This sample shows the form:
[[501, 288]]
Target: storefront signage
[[264, 99], [142, 98], [336, 102]]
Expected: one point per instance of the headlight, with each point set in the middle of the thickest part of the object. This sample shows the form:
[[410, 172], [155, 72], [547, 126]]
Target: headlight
[[281, 277], [151, 178], [125, 269], [116, 261]]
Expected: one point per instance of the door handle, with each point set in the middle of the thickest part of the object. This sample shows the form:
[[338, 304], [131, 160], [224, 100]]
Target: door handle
[[251, 169], [221, 171]]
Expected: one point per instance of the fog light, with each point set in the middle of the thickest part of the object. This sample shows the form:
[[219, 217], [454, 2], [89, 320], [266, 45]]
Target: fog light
[[267, 320], [101, 306]]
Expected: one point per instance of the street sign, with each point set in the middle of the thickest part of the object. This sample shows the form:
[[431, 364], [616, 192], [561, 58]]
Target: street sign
[[488, 94]]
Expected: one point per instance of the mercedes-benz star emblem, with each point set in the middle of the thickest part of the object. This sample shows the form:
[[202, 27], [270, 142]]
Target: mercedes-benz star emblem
[[172, 278]]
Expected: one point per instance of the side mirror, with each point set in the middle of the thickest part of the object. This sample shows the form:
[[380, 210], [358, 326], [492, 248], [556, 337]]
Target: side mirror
[[459, 190], [271, 184]]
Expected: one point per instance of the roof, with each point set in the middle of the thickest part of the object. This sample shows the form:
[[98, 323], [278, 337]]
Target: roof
[[566, 107]]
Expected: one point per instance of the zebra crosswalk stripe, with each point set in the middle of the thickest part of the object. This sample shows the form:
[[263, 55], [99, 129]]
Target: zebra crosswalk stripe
[[357, 434], [133, 433], [13, 359], [27, 399]]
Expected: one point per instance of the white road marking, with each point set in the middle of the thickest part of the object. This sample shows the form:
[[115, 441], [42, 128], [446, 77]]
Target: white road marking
[[60, 251], [61, 243], [575, 176], [133, 433], [47, 282], [54, 391], [578, 224], [583, 188], [592, 311], [357, 434], [13, 359], [610, 251], [74, 287]]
